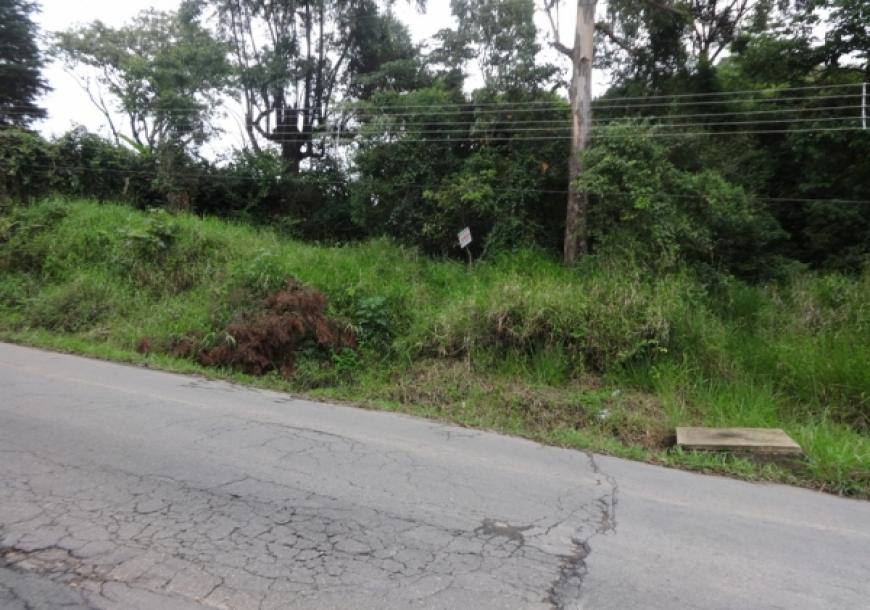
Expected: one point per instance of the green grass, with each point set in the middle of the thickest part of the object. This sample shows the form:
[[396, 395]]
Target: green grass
[[602, 357]]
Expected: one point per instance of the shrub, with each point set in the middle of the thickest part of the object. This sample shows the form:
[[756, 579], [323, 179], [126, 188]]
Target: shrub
[[25, 236], [88, 165], [26, 164], [159, 254], [73, 306], [269, 338], [461, 165], [646, 206], [258, 187]]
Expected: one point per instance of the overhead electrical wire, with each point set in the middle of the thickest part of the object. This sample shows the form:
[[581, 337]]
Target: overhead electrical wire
[[567, 127], [561, 104], [671, 115], [598, 107], [627, 117], [483, 137], [647, 97]]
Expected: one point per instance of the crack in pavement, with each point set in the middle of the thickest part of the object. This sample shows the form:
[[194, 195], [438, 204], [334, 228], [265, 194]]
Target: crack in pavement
[[567, 588], [223, 548], [317, 516], [20, 590], [126, 489]]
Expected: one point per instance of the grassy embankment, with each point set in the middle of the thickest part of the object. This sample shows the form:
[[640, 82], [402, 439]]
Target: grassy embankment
[[602, 357]]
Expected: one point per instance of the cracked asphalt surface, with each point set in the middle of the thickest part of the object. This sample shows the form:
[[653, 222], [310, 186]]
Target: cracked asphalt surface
[[129, 488]]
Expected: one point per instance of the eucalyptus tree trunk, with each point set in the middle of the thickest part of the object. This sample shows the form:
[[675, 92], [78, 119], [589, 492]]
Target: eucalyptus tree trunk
[[576, 242]]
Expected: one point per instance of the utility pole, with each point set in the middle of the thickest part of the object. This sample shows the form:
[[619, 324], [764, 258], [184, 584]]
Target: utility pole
[[576, 244]]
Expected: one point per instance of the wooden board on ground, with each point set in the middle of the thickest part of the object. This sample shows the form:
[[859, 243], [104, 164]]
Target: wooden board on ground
[[741, 440]]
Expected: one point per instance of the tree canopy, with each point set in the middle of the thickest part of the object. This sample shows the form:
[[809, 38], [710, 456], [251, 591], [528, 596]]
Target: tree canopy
[[21, 63], [164, 71]]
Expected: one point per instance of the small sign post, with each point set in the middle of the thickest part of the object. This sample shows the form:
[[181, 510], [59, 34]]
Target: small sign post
[[464, 237], [465, 241]]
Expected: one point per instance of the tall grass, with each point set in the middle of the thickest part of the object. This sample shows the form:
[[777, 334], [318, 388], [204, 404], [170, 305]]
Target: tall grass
[[604, 351]]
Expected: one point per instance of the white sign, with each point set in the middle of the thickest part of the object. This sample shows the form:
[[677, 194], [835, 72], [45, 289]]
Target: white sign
[[464, 237]]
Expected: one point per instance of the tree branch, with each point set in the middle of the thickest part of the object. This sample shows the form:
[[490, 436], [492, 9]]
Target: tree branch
[[620, 42], [557, 44], [562, 48]]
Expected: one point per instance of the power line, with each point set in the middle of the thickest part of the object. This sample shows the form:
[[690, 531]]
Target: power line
[[647, 117], [484, 138], [556, 105], [606, 122], [642, 97], [810, 200], [600, 107], [627, 117], [615, 122]]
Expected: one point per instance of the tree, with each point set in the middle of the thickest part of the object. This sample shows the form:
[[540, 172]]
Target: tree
[[647, 42], [294, 59], [815, 172], [651, 41], [164, 71], [580, 94], [21, 63], [848, 36], [386, 59], [503, 37]]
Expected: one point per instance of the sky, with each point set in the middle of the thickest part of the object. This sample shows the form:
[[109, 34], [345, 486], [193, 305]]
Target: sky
[[69, 105]]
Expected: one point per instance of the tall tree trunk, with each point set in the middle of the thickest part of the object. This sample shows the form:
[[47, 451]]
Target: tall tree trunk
[[292, 156], [576, 243]]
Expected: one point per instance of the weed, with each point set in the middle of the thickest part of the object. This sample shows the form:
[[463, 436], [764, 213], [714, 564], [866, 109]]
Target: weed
[[71, 307]]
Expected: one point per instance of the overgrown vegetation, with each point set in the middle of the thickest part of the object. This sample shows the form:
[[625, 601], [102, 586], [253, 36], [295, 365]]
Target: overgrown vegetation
[[727, 279], [606, 356]]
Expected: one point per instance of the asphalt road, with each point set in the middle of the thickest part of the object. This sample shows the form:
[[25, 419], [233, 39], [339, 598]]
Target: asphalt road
[[129, 488]]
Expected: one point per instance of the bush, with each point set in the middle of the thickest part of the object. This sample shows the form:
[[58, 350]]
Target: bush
[[460, 166], [257, 187], [90, 166], [157, 254], [25, 236], [647, 207], [26, 166]]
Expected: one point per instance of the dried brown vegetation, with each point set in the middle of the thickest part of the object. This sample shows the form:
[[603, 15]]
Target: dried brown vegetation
[[269, 338]]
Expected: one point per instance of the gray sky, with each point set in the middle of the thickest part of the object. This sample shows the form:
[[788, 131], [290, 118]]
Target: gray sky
[[68, 104]]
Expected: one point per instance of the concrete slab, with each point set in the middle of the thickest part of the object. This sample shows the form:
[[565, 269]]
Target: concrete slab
[[743, 440]]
